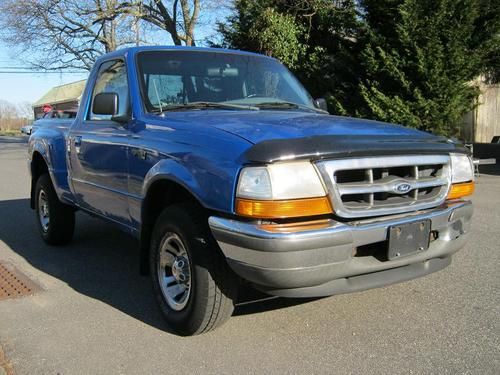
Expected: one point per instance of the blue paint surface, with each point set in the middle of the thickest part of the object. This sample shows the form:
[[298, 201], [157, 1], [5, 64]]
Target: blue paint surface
[[202, 151]]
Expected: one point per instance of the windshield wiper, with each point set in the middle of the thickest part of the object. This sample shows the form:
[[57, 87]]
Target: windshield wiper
[[285, 105], [204, 105]]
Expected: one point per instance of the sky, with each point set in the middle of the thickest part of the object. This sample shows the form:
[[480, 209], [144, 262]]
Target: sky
[[29, 87]]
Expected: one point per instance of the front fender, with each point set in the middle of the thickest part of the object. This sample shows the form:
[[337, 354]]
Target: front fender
[[211, 183], [171, 170]]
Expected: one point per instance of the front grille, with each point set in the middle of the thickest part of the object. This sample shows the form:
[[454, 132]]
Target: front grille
[[386, 185]]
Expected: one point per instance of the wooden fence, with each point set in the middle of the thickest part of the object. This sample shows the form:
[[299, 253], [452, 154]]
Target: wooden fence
[[483, 123]]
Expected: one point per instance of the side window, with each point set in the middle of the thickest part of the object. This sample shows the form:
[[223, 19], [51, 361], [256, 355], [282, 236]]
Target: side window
[[112, 77]]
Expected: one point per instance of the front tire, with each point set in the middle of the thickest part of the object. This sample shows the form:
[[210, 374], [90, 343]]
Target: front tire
[[194, 286], [56, 220]]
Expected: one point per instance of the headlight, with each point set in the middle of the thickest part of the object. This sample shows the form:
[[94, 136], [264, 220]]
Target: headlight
[[290, 189], [462, 176], [255, 183], [280, 181], [462, 169]]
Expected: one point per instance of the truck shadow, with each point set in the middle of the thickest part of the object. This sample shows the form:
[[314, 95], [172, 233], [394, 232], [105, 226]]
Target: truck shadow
[[102, 262]]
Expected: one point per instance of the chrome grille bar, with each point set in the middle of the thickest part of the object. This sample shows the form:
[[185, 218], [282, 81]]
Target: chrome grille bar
[[386, 184], [373, 186], [369, 196]]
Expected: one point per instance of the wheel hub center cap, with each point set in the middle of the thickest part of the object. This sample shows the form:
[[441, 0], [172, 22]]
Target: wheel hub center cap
[[180, 269]]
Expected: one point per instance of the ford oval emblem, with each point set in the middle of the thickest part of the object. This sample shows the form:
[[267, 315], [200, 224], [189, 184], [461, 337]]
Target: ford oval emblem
[[402, 188]]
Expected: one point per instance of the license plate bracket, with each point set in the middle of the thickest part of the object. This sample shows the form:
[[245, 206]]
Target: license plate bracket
[[408, 239]]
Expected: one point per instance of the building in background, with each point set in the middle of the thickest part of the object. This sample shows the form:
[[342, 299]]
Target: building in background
[[64, 97]]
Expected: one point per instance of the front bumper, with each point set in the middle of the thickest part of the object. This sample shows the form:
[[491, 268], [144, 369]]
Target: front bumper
[[322, 262]]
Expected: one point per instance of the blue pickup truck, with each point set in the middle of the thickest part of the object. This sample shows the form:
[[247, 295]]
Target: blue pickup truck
[[230, 174]]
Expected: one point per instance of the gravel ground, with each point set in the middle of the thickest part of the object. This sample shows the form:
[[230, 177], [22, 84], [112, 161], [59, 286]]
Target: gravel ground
[[97, 315], [5, 366]]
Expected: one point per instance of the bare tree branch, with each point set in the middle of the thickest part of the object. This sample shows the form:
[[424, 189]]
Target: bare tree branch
[[60, 34], [178, 17]]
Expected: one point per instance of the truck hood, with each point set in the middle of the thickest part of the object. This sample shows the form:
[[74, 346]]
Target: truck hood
[[258, 126], [276, 135]]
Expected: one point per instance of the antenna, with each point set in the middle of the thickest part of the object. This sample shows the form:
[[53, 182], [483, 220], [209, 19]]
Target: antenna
[[157, 96]]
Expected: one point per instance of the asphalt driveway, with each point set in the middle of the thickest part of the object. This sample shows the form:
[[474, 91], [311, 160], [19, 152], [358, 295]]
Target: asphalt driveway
[[97, 315]]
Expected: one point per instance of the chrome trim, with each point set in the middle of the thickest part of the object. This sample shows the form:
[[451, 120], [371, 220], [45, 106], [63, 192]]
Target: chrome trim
[[389, 185], [44, 211], [301, 261], [318, 256], [336, 190], [174, 271], [374, 225]]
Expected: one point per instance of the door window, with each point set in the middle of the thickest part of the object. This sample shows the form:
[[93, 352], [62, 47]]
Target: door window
[[112, 77]]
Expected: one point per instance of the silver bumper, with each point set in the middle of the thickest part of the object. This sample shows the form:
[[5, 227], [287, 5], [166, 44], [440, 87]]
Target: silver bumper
[[323, 262]]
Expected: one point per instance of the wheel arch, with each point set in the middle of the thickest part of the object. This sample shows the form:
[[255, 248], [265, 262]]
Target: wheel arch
[[38, 167], [161, 193]]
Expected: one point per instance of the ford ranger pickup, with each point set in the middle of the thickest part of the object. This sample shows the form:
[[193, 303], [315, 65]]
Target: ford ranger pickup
[[230, 174]]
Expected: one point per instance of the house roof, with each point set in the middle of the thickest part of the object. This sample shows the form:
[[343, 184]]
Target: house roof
[[61, 94]]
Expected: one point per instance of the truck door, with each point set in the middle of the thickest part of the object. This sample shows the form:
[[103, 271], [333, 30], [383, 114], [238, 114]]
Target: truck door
[[98, 150]]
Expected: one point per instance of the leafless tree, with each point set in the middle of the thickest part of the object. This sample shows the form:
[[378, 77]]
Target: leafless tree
[[180, 18], [13, 117], [177, 17], [24, 110], [71, 34], [56, 34], [7, 110]]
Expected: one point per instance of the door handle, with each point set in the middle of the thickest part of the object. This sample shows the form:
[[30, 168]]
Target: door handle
[[77, 141]]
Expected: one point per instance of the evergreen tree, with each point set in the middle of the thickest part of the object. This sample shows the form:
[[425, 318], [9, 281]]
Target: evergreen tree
[[405, 61], [419, 62], [316, 39], [486, 39]]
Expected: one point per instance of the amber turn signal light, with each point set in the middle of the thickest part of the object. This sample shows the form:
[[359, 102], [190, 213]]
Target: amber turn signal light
[[461, 190], [295, 227], [280, 209]]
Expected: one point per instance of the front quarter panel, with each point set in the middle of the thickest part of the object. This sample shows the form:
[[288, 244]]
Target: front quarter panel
[[204, 161]]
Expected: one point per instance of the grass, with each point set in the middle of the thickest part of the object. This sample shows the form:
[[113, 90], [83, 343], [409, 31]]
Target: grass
[[12, 133]]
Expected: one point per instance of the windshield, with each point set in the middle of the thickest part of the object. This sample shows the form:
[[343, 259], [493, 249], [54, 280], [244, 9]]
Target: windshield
[[173, 79]]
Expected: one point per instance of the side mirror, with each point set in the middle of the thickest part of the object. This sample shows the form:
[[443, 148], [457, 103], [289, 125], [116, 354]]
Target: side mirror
[[320, 103], [105, 103]]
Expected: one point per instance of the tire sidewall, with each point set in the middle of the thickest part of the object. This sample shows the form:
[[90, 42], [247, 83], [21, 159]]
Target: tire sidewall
[[43, 184], [195, 244], [61, 216]]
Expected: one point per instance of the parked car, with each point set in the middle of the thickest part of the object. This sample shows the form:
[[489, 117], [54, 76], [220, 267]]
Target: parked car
[[55, 114], [27, 129], [226, 170]]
